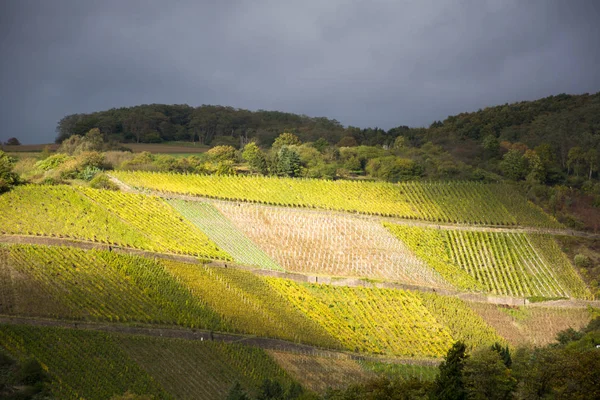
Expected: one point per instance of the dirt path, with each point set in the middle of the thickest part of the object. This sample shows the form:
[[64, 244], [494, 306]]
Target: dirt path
[[200, 334], [400, 221], [298, 277]]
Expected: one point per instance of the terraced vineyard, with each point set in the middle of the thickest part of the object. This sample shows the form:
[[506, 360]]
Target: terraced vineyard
[[130, 220], [202, 370], [329, 244], [221, 231], [67, 355], [248, 304], [94, 285], [97, 365], [514, 264], [459, 202], [320, 373], [370, 320], [531, 325], [64, 282]]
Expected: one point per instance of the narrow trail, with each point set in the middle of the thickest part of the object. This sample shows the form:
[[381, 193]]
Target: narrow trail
[[298, 277], [400, 221], [202, 335]]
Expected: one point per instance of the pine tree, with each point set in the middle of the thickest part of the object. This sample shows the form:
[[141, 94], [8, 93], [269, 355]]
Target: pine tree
[[237, 393], [449, 384]]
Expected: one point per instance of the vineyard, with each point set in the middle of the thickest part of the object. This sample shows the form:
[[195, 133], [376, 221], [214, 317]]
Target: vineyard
[[320, 373], [63, 282], [68, 355], [221, 231], [514, 264], [458, 202], [249, 304], [129, 220], [94, 285], [531, 325], [97, 365], [370, 320], [202, 370], [329, 244]]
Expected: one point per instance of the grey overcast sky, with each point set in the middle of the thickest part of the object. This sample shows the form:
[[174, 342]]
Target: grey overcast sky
[[364, 63]]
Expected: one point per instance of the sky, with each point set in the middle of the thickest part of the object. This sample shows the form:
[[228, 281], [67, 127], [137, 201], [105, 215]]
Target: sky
[[364, 63]]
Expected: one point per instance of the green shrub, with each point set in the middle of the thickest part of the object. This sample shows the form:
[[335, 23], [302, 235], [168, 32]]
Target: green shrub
[[7, 177], [89, 172], [582, 261], [102, 181], [53, 161]]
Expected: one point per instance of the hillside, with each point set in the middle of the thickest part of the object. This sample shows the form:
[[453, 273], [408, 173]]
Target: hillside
[[270, 282]]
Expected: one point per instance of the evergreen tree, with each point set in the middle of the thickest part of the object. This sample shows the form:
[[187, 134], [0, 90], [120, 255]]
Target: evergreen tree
[[504, 354], [449, 384], [237, 393], [270, 390], [288, 162]]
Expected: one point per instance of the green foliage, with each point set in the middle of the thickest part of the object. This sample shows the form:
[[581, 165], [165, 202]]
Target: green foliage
[[22, 379], [89, 172], [286, 139], [321, 144], [102, 181], [288, 162], [68, 354], [222, 153], [514, 165], [504, 353], [486, 377], [503, 263], [237, 393], [347, 141], [7, 177], [103, 216], [101, 285], [393, 169], [53, 161], [255, 157], [450, 383]]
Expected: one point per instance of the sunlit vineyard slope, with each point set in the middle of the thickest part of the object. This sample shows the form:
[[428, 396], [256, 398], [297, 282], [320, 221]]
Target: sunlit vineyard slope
[[460, 202]]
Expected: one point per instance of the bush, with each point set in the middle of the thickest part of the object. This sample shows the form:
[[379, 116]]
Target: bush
[[222, 153], [74, 167], [89, 172], [53, 161], [582, 261], [102, 181], [114, 159], [7, 177]]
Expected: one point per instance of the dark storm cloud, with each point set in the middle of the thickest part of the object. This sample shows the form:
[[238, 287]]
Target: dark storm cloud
[[365, 63]]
